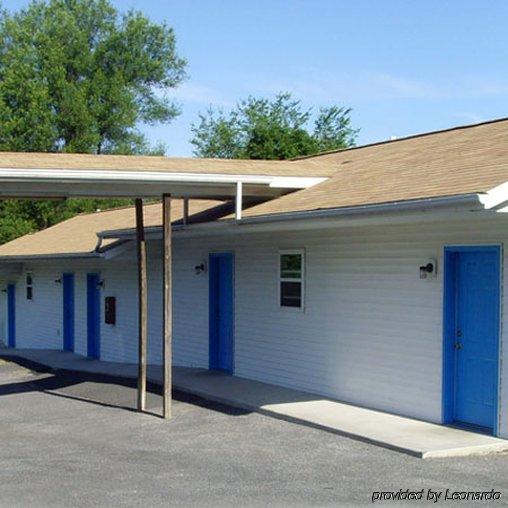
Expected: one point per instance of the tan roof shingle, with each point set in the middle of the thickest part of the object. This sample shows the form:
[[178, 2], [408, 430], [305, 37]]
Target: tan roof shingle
[[458, 161], [463, 160], [78, 235]]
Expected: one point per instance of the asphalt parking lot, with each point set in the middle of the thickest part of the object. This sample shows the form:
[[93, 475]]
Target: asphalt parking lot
[[69, 440]]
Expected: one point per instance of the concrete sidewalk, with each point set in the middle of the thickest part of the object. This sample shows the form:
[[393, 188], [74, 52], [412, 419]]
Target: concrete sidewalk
[[414, 437]]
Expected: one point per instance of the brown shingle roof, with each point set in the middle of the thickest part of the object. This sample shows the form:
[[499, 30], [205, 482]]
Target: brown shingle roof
[[463, 160], [78, 235]]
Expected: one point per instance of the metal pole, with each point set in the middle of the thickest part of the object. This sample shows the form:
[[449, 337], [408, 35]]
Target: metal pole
[[167, 306], [142, 305]]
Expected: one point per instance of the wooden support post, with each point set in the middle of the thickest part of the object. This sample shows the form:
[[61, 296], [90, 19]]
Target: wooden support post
[[167, 306], [142, 305], [185, 211]]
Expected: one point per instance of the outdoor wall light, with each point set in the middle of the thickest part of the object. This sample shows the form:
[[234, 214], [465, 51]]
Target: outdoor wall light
[[58, 281], [200, 268], [101, 283], [428, 269]]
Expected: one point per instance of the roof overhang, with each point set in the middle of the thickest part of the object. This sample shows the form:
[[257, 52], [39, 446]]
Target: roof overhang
[[48, 257], [59, 183], [439, 208], [447, 208]]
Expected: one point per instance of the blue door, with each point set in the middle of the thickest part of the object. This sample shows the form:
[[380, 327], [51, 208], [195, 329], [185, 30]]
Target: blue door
[[68, 311], [93, 315], [475, 334], [221, 312], [11, 315]]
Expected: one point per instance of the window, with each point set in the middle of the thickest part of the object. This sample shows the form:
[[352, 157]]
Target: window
[[291, 273], [29, 286]]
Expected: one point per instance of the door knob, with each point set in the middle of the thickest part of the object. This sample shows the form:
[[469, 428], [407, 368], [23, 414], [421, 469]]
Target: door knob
[[458, 345]]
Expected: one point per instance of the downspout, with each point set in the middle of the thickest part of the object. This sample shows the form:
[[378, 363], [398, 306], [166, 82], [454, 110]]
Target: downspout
[[238, 201]]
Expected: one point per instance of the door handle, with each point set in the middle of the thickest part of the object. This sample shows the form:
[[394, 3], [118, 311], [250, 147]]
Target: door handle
[[458, 345]]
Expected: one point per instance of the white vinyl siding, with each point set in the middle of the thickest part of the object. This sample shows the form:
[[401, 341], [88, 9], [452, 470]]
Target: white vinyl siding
[[371, 333], [44, 326]]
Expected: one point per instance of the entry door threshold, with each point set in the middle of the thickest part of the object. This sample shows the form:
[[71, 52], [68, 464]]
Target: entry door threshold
[[471, 428]]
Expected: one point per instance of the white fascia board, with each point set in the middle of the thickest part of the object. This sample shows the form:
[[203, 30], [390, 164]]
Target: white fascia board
[[452, 207], [295, 182], [100, 176], [115, 176], [31, 257], [496, 198]]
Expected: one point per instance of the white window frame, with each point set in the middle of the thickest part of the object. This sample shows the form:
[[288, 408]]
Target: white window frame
[[281, 279]]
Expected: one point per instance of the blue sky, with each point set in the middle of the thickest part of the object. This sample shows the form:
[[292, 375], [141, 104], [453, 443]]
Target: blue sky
[[404, 66]]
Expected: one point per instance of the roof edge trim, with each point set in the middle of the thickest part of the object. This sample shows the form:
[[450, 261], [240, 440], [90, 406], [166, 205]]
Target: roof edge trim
[[29, 257], [112, 176], [472, 200]]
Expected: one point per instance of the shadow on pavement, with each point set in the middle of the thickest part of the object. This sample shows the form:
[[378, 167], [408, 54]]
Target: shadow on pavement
[[90, 387]]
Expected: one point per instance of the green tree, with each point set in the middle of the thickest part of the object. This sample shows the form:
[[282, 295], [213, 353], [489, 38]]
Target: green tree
[[258, 128], [78, 76]]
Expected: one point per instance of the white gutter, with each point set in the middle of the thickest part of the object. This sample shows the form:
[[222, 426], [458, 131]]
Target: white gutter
[[30, 257], [395, 206], [496, 198], [113, 176], [471, 202]]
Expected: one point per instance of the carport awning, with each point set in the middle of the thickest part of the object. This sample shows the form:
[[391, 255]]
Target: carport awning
[[53, 175], [51, 183], [66, 175]]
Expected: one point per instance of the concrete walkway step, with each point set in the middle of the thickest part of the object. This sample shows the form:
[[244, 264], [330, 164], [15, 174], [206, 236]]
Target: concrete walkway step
[[407, 435]]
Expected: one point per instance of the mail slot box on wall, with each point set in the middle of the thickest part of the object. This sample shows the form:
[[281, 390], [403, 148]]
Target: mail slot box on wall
[[110, 310]]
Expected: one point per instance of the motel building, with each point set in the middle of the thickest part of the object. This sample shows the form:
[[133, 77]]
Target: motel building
[[372, 276]]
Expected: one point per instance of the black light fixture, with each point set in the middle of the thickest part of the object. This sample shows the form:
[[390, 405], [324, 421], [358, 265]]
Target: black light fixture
[[101, 283], [58, 281], [200, 268], [426, 270]]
